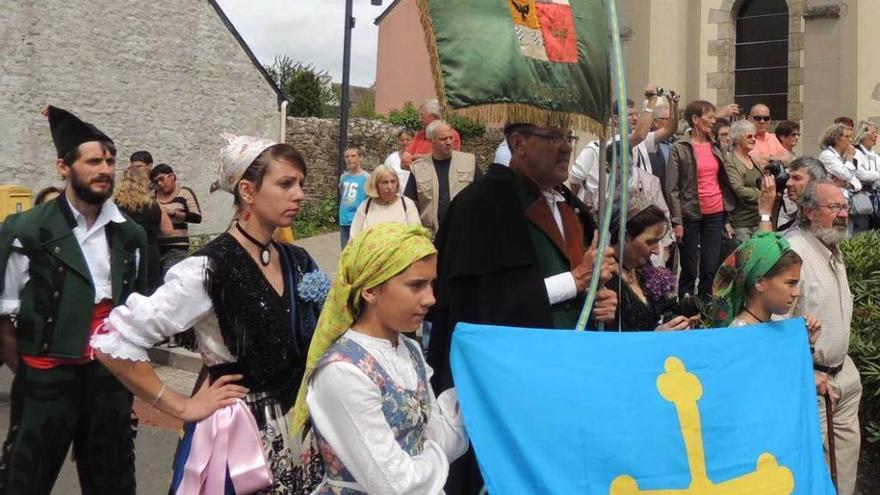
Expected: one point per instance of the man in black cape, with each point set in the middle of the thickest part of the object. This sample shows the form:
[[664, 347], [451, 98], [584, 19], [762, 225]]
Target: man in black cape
[[516, 250]]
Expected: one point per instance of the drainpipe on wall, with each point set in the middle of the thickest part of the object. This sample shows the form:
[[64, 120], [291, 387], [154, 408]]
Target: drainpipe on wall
[[282, 132]]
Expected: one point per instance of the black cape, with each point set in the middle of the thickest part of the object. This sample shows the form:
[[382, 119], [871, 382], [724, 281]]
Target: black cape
[[487, 273]]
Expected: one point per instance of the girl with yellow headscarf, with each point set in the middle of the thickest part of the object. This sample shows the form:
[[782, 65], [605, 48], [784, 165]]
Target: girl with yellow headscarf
[[366, 393]]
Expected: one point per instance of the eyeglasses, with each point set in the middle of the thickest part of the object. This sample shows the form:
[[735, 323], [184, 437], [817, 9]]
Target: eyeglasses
[[555, 138], [749, 136], [159, 178], [761, 118], [835, 208]]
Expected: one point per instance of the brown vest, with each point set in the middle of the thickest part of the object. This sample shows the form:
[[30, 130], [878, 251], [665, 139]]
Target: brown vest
[[461, 174]]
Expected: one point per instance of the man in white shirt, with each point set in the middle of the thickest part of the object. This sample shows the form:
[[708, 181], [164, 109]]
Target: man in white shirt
[[585, 171], [825, 294], [63, 266]]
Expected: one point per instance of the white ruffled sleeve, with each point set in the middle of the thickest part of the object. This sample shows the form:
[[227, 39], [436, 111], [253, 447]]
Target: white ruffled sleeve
[[143, 322], [346, 407], [446, 425]]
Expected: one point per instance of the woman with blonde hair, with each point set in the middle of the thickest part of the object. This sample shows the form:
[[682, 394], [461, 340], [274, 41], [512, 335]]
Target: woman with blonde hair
[[134, 198], [384, 202]]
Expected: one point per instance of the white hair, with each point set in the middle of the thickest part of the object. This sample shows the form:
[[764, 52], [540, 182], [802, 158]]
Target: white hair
[[432, 106], [739, 129], [433, 127]]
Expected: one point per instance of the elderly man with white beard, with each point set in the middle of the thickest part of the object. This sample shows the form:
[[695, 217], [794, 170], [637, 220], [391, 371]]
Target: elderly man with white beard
[[825, 294]]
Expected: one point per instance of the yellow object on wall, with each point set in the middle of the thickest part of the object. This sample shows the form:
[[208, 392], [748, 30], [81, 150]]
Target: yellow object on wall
[[14, 199], [284, 235]]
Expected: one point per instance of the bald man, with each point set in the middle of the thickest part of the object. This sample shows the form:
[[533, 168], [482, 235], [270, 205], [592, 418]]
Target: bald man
[[767, 146]]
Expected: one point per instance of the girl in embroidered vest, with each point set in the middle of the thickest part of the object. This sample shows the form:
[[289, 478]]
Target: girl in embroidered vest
[[253, 305], [378, 425]]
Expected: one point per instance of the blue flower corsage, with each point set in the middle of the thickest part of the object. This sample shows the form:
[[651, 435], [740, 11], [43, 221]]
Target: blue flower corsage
[[314, 287]]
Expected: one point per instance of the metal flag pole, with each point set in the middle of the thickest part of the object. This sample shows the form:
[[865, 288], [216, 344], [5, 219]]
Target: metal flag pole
[[344, 103], [605, 211]]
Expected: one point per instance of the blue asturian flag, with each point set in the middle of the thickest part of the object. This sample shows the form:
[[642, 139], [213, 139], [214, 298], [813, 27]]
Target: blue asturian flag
[[705, 412]]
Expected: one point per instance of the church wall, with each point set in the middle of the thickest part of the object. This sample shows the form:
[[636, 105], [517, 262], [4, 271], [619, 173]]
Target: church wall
[[165, 76], [867, 89]]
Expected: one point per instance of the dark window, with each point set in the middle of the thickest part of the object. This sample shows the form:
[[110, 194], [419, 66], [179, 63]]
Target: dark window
[[761, 74]]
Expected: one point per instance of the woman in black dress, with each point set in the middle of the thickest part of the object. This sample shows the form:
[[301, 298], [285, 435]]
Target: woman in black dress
[[253, 304], [639, 285], [134, 198]]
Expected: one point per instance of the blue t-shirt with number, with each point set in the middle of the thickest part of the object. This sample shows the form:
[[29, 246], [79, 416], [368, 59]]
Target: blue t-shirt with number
[[353, 194]]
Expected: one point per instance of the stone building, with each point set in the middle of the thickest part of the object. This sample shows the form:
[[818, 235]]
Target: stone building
[[166, 76], [812, 60]]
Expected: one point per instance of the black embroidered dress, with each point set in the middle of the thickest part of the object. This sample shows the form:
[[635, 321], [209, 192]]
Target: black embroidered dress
[[241, 326]]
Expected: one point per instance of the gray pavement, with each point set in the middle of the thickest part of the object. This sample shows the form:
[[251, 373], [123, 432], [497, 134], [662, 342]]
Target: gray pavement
[[325, 249], [154, 446]]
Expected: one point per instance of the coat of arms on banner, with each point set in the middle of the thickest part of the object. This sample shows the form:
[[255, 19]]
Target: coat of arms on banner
[[545, 29]]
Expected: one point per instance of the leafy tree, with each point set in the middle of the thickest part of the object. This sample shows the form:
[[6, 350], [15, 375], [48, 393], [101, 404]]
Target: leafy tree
[[366, 108], [306, 87], [408, 116], [861, 255]]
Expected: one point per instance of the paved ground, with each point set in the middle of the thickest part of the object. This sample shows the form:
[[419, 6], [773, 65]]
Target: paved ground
[[325, 249], [158, 433], [156, 440]]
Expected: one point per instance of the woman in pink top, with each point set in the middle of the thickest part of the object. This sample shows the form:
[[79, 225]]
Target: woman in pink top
[[700, 195]]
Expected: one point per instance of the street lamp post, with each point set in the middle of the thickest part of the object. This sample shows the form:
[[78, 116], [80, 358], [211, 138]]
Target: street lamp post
[[346, 70], [343, 105]]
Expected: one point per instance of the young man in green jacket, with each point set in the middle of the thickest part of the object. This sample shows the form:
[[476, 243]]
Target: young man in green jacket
[[63, 266]]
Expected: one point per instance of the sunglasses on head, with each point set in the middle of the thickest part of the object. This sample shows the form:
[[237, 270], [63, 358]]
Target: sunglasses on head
[[759, 118]]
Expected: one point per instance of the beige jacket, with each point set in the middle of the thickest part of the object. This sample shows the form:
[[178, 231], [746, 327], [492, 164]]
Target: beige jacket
[[461, 174]]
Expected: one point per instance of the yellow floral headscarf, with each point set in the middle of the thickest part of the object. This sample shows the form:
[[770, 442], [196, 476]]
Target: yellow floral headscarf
[[372, 258]]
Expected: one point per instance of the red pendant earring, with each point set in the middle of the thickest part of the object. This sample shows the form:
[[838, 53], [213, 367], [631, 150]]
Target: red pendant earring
[[247, 215]]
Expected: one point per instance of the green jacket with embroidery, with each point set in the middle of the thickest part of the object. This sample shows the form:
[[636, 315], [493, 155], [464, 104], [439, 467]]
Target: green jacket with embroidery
[[58, 299]]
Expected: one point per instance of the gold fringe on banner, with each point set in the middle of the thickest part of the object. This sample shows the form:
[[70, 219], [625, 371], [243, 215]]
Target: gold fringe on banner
[[520, 113]]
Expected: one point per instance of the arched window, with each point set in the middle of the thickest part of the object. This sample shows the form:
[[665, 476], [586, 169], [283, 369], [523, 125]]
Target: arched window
[[762, 56]]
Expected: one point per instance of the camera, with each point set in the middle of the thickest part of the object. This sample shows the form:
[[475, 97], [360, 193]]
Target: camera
[[777, 170], [667, 93], [686, 305]]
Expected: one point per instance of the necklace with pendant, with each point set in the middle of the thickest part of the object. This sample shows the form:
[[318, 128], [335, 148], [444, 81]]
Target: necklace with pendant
[[264, 248]]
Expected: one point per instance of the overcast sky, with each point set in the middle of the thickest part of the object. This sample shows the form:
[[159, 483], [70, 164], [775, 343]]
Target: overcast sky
[[309, 31]]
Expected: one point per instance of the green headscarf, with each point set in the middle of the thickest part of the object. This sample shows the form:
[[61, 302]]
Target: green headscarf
[[372, 258], [740, 271]]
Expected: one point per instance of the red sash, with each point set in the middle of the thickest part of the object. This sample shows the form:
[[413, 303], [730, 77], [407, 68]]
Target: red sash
[[100, 312]]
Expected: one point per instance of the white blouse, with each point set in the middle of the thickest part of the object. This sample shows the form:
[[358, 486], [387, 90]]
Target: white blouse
[[867, 165], [346, 407], [838, 167], [179, 304]]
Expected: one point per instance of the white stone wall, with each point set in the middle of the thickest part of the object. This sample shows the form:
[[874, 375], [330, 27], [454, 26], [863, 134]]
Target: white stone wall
[[162, 75]]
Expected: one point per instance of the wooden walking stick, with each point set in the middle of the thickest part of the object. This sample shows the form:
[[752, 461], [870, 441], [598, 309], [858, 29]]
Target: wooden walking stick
[[829, 422]]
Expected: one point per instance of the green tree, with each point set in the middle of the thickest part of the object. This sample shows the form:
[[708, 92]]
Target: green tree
[[306, 87], [366, 108], [408, 116]]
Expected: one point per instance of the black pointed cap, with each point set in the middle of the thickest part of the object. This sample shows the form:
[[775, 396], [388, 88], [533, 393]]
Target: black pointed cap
[[68, 131]]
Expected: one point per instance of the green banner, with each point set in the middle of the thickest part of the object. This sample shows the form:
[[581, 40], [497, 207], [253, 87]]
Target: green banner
[[544, 62]]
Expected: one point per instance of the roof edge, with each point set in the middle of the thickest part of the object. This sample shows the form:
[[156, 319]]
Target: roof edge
[[247, 50], [386, 12]]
